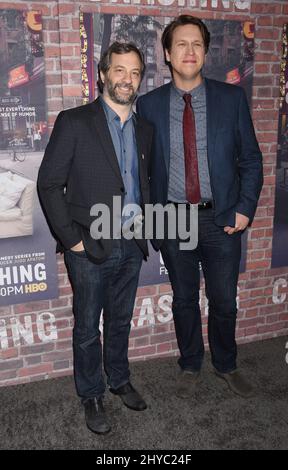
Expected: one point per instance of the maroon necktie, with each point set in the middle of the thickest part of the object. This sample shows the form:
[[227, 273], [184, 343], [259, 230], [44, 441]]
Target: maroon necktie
[[190, 153]]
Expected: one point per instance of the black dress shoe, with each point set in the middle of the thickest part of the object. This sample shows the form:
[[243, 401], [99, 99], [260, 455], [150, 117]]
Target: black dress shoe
[[95, 416], [130, 397]]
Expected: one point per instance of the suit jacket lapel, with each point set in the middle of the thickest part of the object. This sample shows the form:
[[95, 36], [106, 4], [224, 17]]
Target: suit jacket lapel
[[213, 107], [102, 129], [164, 124]]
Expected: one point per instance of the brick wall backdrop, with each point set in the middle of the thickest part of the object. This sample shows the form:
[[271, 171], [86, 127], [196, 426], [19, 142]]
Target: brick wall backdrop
[[263, 291]]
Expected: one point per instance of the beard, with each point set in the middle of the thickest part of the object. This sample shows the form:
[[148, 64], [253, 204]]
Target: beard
[[116, 96]]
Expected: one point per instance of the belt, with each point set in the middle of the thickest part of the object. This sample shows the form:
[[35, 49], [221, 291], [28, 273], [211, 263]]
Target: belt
[[201, 206]]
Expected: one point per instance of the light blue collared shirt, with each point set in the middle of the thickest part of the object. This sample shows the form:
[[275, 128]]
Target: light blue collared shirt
[[124, 141]]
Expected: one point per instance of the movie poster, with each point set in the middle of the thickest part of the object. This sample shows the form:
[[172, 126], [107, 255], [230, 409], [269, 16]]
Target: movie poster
[[280, 234], [28, 269], [230, 59]]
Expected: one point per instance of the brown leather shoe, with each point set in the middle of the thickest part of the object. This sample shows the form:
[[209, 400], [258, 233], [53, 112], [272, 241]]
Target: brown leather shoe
[[186, 383], [237, 383]]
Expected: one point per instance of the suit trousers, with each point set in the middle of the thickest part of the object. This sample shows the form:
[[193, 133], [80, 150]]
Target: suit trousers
[[110, 286], [219, 256]]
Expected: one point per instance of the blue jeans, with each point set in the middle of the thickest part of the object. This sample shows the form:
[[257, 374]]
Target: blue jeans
[[110, 286], [219, 254]]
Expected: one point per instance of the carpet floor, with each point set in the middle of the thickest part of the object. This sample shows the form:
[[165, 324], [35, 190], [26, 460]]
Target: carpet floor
[[48, 414]]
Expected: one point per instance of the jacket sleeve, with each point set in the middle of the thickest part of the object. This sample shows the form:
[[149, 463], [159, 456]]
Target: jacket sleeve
[[52, 180], [250, 168]]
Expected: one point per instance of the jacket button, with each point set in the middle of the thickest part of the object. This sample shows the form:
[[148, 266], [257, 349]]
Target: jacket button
[[122, 189]]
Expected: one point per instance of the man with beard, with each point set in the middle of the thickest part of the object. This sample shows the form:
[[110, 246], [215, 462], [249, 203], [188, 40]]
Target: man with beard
[[96, 152]]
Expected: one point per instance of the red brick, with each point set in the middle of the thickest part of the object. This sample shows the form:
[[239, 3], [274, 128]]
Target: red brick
[[52, 51], [251, 322], [268, 33], [252, 302], [265, 92], [72, 90], [164, 348], [62, 302], [65, 291], [267, 126], [165, 289], [64, 333], [63, 345], [64, 9], [258, 265], [264, 21], [35, 306], [70, 37], [67, 51], [65, 23], [6, 365], [50, 24], [45, 9], [10, 5], [262, 68], [9, 374], [39, 369], [147, 291], [9, 353], [32, 360], [272, 327], [53, 79], [266, 57], [251, 313], [37, 348], [267, 115], [124, 10], [162, 338], [267, 46], [251, 331], [75, 23], [57, 355], [266, 8], [142, 341], [144, 351], [71, 64], [268, 137], [142, 331], [274, 318], [61, 365]]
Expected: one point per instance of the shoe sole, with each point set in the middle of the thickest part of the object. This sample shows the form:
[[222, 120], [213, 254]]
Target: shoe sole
[[100, 433], [132, 408]]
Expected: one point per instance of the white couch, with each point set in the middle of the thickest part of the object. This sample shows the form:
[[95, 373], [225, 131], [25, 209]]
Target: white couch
[[17, 196]]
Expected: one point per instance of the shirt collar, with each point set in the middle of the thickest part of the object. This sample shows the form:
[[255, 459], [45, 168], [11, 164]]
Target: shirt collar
[[194, 92], [111, 115]]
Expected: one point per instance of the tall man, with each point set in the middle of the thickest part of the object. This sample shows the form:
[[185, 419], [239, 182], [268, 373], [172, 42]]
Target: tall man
[[96, 152], [205, 152]]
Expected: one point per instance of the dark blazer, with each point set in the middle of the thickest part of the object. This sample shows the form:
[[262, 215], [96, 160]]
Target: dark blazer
[[79, 169], [234, 157]]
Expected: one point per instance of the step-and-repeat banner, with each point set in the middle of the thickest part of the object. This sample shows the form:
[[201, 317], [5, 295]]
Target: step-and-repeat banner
[[28, 269]]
